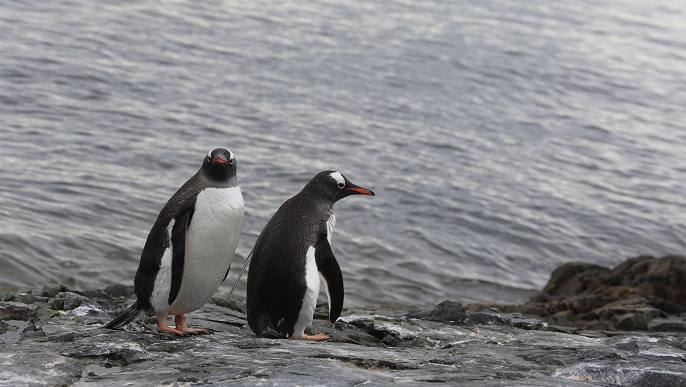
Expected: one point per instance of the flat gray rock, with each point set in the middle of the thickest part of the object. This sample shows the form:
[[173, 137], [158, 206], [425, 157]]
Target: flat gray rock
[[378, 347]]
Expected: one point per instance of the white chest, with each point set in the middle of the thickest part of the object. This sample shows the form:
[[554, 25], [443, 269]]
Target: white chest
[[214, 229], [329, 226], [211, 241], [313, 282], [310, 298], [217, 210]]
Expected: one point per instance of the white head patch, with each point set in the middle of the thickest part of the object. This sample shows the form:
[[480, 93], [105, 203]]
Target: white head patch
[[338, 177]]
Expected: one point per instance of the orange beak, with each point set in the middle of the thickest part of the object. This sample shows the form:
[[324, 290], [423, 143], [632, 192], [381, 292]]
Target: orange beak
[[361, 191]]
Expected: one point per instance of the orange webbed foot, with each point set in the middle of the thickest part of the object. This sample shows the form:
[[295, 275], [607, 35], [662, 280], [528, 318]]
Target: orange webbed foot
[[317, 337], [181, 325]]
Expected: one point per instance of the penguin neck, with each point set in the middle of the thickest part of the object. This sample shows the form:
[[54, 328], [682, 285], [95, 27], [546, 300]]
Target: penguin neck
[[316, 199], [218, 182], [318, 193]]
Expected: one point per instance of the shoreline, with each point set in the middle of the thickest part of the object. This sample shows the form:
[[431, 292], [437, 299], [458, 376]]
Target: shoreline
[[54, 336]]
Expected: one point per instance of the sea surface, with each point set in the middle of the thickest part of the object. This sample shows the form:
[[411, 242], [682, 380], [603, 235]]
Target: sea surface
[[503, 138]]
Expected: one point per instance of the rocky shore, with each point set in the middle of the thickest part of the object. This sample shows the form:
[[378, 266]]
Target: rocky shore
[[589, 326]]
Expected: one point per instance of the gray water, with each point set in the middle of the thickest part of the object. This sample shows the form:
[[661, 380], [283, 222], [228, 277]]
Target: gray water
[[502, 138]]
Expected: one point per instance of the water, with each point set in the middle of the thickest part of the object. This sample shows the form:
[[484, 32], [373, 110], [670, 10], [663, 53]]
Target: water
[[13, 330], [502, 138]]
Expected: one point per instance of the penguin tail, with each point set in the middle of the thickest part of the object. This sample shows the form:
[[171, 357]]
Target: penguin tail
[[271, 333], [125, 317]]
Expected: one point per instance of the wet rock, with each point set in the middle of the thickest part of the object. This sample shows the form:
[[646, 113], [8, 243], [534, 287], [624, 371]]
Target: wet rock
[[448, 311], [71, 300], [390, 341], [51, 290], [353, 329], [119, 291], [63, 337], [25, 297], [360, 321], [667, 325], [418, 314], [230, 303], [40, 367], [44, 314], [32, 331], [571, 279], [6, 297], [123, 352], [628, 344], [529, 324], [395, 330], [631, 322], [627, 297], [56, 303], [71, 303], [617, 374], [17, 311], [488, 347], [488, 317], [98, 294]]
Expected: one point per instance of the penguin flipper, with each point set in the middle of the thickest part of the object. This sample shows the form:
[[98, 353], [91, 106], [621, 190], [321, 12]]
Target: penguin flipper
[[330, 272], [126, 317], [178, 241]]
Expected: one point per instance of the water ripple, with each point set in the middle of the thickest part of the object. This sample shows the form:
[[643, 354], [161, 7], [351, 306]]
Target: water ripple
[[502, 138]]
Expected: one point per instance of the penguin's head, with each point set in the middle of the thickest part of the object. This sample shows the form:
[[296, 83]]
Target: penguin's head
[[334, 186], [220, 164]]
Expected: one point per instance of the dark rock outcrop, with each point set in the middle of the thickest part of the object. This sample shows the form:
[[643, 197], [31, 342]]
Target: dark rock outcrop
[[448, 311], [636, 295]]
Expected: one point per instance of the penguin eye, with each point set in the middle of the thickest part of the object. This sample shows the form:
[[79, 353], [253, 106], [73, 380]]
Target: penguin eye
[[231, 161], [341, 185]]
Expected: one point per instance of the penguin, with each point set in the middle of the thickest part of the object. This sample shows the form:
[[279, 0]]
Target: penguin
[[291, 255], [189, 249]]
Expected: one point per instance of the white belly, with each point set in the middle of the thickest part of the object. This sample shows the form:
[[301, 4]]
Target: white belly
[[310, 298], [313, 280], [211, 241]]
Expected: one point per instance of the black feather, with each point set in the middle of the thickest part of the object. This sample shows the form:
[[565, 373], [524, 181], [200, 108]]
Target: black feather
[[271, 333], [125, 317], [178, 240]]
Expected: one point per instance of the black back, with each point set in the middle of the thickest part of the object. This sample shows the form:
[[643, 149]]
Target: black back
[[276, 278], [278, 259]]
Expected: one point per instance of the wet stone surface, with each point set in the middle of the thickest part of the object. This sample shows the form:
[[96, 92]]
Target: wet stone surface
[[642, 293], [46, 343]]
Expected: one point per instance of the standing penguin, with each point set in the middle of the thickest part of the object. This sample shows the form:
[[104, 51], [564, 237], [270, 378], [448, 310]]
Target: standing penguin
[[291, 255], [188, 252]]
